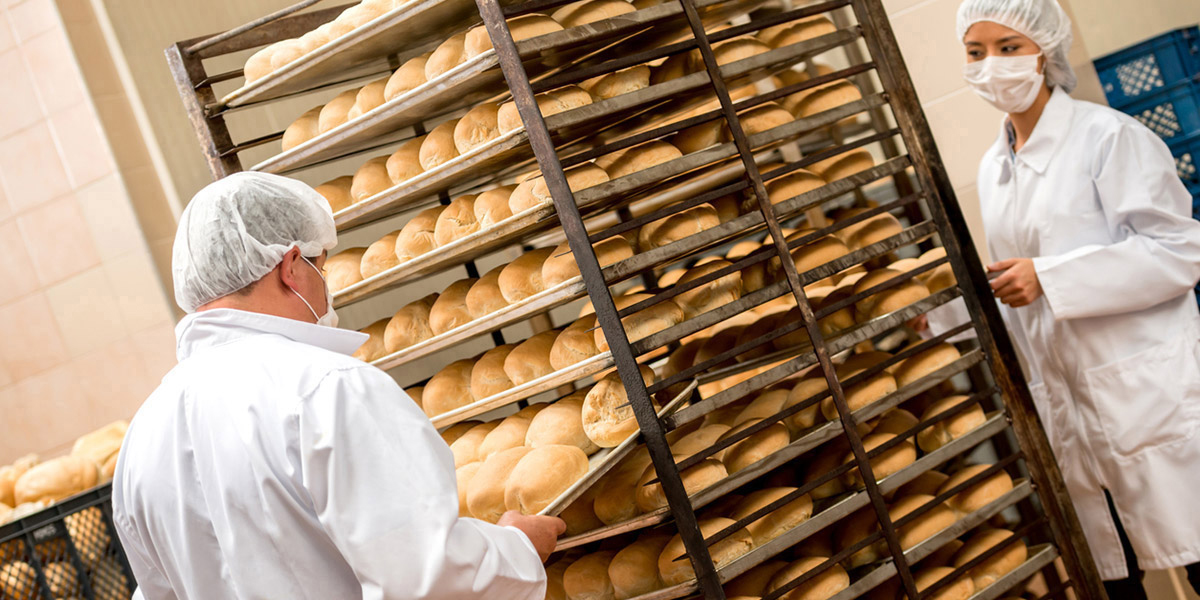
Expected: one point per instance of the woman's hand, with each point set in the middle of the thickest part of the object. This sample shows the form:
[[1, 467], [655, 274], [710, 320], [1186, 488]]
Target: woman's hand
[[1018, 285]]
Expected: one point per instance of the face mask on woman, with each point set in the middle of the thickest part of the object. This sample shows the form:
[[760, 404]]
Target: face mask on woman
[[1010, 83]]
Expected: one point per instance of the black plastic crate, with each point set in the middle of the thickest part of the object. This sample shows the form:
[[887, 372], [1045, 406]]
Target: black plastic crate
[[1130, 74], [69, 550]]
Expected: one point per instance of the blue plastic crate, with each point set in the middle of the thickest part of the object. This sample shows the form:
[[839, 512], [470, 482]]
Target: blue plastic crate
[[1172, 113], [1187, 161], [1130, 74]]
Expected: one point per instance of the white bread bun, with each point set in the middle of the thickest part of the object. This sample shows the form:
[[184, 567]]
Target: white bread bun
[[765, 405], [764, 117], [590, 11], [438, 147], [417, 235], [549, 103], [621, 82], [56, 479], [523, 27], [561, 266], [368, 99], [889, 300], [574, 344], [463, 476], [843, 165], [978, 495], [645, 322], [259, 64], [927, 483], [554, 578], [487, 376], [380, 256], [446, 56], [680, 225], [450, 309], [1000, 564], [477, 127], [923, 527], [823, 98], [466, 448], [776, 522], [456, 221], [865, 393], [561, 423], [886, 464], [712, 295], [792, 185], [895, 421], [615, 491], [703, 438], [753, 583], [303, 129], [587, 578], [699, 137], [491, 206], [370, 179], [943, 432], [816, 253], [543, 475], [756, 447], [641, 157], [960, 589], [448, 389], [454, 432], [531, 358], [925, 363], [285, 52], [343, 269], [795, 32], [416, 394], [579, 515], [825, 585], [522, 277], [674, 572], [738, 48], [535, 192], [804, 389], [337, 192], [408, 77], [650, 496], [510, 433], [607, 414], [405, 162], [485, 298], [485, 496], [634, 570], [337, 111]]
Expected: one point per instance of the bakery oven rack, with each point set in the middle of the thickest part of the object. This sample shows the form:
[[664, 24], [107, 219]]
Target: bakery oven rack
[[791, 309]]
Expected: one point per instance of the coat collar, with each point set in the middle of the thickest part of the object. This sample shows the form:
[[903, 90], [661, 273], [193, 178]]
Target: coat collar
[[212, 328], [1048, 136]]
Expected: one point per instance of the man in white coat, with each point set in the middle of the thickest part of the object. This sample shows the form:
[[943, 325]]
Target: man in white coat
[[271, 464]]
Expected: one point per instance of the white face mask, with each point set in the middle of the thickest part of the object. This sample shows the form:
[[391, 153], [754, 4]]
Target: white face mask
[[330, 318], [1010, 83]]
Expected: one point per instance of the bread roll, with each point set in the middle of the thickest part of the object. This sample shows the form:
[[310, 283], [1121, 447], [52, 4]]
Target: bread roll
[[368, 99], [370, 179], [925, 363], [712, 295], [634, 570], [843, 165], [410, 325], [456, 221], [960, 589], [889, 300], [738, 48], [825, 585], [102, 444], [408, 77], [549, 103], [18, 579], [587, 578], [542, 476], [923, 527], [491, 206], [448, 389], [522, 277], [885, 464], [487, 376], [561, 423], [674, 572], [466, 448], [303, 129], [642, 157], [678, 226], [485, 298], [816, 253], [856, 528], [562, 266], [763, 117], [804, 389], [756, 447], [535, 192], [579, 515], [463, 476], [574, 344], [977, 495], [417, 235], [927, 483], [342, 270], [650, 496], [998, 565], [531, 358], [337, 111], [863, 393], [776, 522], [380, 256], [616, 500], [765, 405], [450, 309], [940, 278], [446, 56], [607, 415], [621, 82], [477, 127], [792, 185], [286, 52], [522, 28], [405, 162], [259, 64], [510, 433], [795, 32], [452, 433], [676, 66], [753, 583], [56, 479], [703, 438], [895, 422], [590, 11], [943, 432], [645, 322], [822, 98], [337, 193], [416, 394], [874, 230], [554, 578], [485, 496], [374, 348], [438, 147]]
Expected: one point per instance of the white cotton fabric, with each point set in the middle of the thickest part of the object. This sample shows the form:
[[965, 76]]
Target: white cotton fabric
[[1043, 21], [237, 229]]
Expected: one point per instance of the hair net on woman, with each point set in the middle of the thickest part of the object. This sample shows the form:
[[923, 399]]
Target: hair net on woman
[[1042, 21], [237, 229]]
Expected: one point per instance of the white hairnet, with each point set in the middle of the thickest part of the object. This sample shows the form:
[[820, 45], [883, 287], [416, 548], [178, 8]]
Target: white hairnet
[[237, 229], [1042, 21]]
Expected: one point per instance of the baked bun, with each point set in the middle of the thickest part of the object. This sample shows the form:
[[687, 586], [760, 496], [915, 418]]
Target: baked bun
[[554, 578], [374, 348], [804, 389], [753, 583], [485, 497], [337, 193], [336, 112], [587, 578], [466, 448], [380, 256], [678, 226], [895, 421], [616, 500], [866, 392], [417, 235], [943, 432], [885, 464], [561, 423], [889, 300], [531, 358], [642, 157], [756, 447], [978, 495], [621, 82], [738, 48], [456, 221], [579, 515], [463, 476], [959, 589], [796, 31], [534, 191], [824, 98], [344, 269], [485, 298], [549, 103], [856, 528], [923, 527], [56, 479], [776, 522], [712, 295], [562, 266], [487, 376], [607, 414], [736, 545], [452, 433], [764, 117], [765, 405], [645, 322], [370, 179], [590, 11], [303, 129], [259, 64], [542, 476], [650, 496], [477, 127], [522, 28], [574, 344], [927, 483], [410, 325], [438, 147], [491, 206], [998, 565], [368, 99], [448, 389], [815, 253], [843, 165], [448, 55], [925, 363], [410, 76], [676, 66], [522, 277], [450, 309], [510, 433], [405, 162], [634, 570], [792, 185], [825, 585]]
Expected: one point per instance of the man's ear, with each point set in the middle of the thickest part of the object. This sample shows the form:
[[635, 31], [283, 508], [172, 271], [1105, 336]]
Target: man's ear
[[287, 268]]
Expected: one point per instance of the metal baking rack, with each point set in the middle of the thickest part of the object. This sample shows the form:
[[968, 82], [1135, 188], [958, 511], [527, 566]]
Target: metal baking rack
[[918, 191]]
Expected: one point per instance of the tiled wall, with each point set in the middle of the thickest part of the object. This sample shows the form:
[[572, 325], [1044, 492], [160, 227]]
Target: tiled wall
[[85, 328]]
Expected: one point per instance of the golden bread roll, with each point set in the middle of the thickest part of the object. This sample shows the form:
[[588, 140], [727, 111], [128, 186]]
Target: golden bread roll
[[645, 322], [438, 147], [890, 300], [961, 589], [823, 98], [370, 179], [446, 56], [998, 565], [923, 527], [542, 476], [485, 496], [554, 579], [856, 528], [405, 162], [738, 48], [755, 333], [448, 389], [374, 348], [522, 277], [699, 137], [466, 447], [674, 572], [523, 27], [56, 479], [621, 82], [337, 192], [417, 395], [795, 32], [607, 414], [575, 344], [885, 464], [678, 226], [491, 206], [634, 570], [865, 392], [765, 405], [286, 52], [590, 11], [18, 579], [11, 473], [642, 157], [534, 191], [875, 230], [843, 165], [712, 295], [450, 309], [101, 444], [763, 117], [337, 111], [792, 185], [477, 127], [676, 66], [650, 496], [756, 447], [587, 578], [549, 103], [259, 64], [487, 376], [928, 483], [408, 77], [303, 129], [925, 363], [579, 515], [778, 521], [828, 458], [561, 423], [368, 99], [825, 585], [510, 433], [343, 269], [380, 256], [417, 235], [703, 438], [895, 421], [531, 358], [456, 221], [561, 266], [815, 253], [452, 433], [410, 325], [719, 343], [485, 298], [463, 476], [977, 495], [753, 583], [947, 430], [802, 391], [940, 278], [616, 500]]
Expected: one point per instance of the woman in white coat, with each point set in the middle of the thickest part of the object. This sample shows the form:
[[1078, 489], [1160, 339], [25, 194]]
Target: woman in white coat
[[1098, 257]]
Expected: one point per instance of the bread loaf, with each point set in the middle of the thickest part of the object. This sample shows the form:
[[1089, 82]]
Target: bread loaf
[[738, 48], [522, 277], [854, 529], [410, 325], [816, 253], [343, 269], [448, 389], [477, 127], [825, 585], [337, 193], [408, 77], [259, 64], [607, 415], [795, 32], [979, 494], [561, 423], [535, 192], [874, 230], [943, 432], [889, 300], [998, 565], [574, 344], [102, 444], [756, 447], [530, 360], [650, 496], [885, 464], [642, 157], [549, 103], [485, 298], [405, 162], [843, 165], [590, 11], [699, 137], [416, 394], [456, 221], [645, 322], [446, 56], [634, 570], [678, 226], [620, 82], [368, 99], [438, 147], [485, 496], [463, 476], [337, 111], [587, 578], [465, 447], [960, 589], [370, 179], [56, 479], [616, 491], [776, 522], [380, 256], [764, 117], [792, 185], [822, 98], [450, 309], [676, 66], [510, 433], [712, 295], [522, 28], [925, 363], [802, 391], [865, 392], [562, 266], [542, 476], [285, 52], [924, 526], [765, 405], [674, 572], [927, 483], [491, 206], [895, 422], [487, 376], [417, 235], [374, 348], [303, 129]]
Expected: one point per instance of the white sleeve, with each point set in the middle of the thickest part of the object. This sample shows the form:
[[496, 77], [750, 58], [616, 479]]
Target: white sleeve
[[382, 483], [1158, 255], [150, 580]]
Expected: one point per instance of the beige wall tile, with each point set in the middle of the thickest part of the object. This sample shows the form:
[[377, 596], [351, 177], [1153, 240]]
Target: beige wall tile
[[157, 348], [16, 270], [12, 445], [895, 7], [6, 378], [87, 311], [138, 290], [48, 412], [964, 127], [154, 214], [926, 37], [82, 145], [19, 106], [119, 122], [31, 342], [6, 34], [30, 168], [6, 209], [54, 71], [58, 240], [114, 381], [160, 252], [110, 217], [32, 17]]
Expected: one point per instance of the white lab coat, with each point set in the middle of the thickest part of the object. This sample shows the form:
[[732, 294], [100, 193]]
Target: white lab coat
[[1112, 350], [270, 464]]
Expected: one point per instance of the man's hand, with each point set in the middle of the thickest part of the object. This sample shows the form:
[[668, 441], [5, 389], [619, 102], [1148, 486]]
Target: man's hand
[[542, 531], [1018, 286]]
